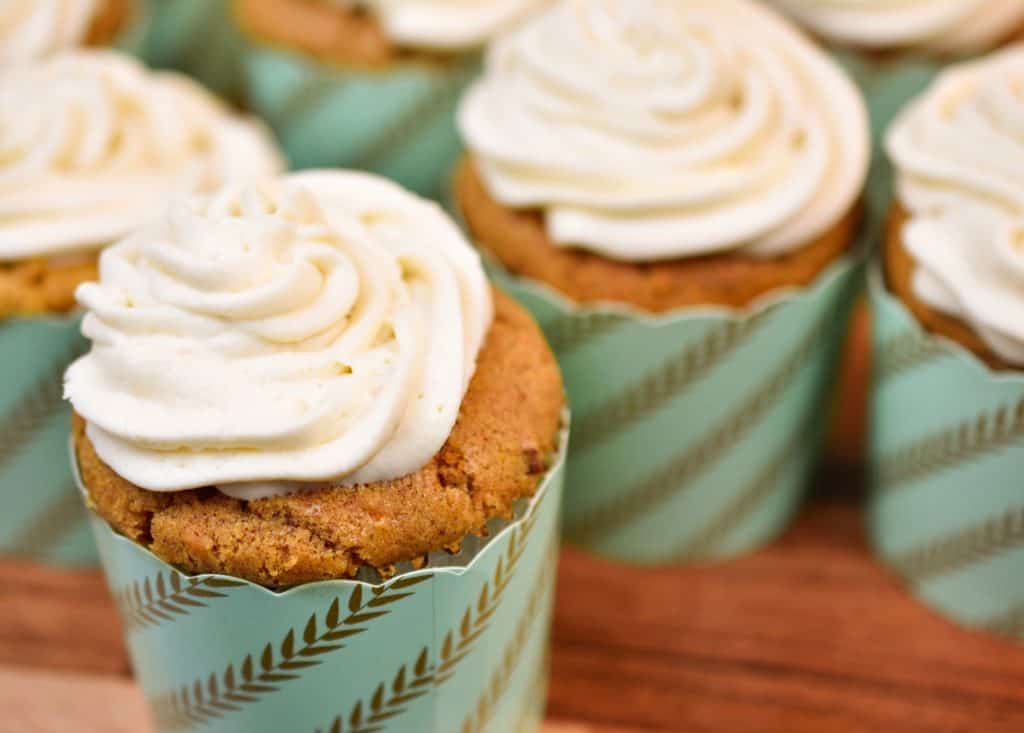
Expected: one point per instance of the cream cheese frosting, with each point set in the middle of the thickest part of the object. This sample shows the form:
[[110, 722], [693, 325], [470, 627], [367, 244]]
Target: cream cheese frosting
[[948, 26], [33, 29], [321, 329], [654, 129], [959, 154], [92, 144], [449, 25]]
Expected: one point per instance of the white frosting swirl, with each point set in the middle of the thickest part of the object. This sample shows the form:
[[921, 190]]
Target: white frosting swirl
[[948, 26], [33, 29], [319, 330], [92, 144], [655, 129], [959, 153], [448, 25]]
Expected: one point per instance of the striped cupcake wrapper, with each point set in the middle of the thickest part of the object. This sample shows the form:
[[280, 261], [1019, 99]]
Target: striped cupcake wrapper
[[42, 518], [199, 38], [457, 647], [694, 433], [947, 448], [399, 123]]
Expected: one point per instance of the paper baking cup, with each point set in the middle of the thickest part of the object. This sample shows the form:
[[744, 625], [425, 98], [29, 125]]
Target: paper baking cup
[[694, 432], [199, 38], [42, 517], [947, 455], [397, 122], [457, 647]]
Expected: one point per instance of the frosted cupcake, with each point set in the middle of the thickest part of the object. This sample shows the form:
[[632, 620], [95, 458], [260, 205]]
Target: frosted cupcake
[[370, 85], [31, 30], [672, 189], [81, 166], [949, 400], [295, 384]]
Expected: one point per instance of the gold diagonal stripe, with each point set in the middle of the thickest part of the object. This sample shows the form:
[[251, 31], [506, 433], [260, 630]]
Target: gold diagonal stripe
[[262, 674], [457, 644], [39, 404], [952, 448], [665, 383], [305, 98], [436, 102], [1010, 623], [905, 352], [489, 701], [569, 332], [166, 597], [51, 526], [962, 549], [750, 497], [681, 472]]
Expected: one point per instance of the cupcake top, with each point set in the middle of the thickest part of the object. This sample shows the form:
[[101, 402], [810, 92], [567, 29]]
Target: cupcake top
[[446, 25], [33, 29], [99, 152], [654, 130], [959, 154], [318, 330], [945, 26]]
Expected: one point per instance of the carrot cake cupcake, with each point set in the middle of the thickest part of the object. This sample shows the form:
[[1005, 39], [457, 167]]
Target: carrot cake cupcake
[[33, 29], [80, 167], [294, 383], [370, 85], [948, 406], [657, 176]]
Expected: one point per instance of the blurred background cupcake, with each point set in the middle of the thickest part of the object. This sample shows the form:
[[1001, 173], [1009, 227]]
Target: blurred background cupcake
[[893, 48], [369, 85], [947, 512], [31, 30], [81, 165], [312, 380], [672, 188]]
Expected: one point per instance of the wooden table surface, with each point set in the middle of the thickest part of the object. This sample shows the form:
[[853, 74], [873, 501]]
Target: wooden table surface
[[807, 635]]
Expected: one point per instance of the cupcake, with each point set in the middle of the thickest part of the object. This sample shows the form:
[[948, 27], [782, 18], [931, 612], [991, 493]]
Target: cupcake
[[80, 167], [303, 398], [672, 189], [370, 85], [949, 392], [31, 30]]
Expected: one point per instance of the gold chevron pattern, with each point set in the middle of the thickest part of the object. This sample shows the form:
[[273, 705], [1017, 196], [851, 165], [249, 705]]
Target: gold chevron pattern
[[963, 549], [665, 383], [970, 441], [166, 597], [56, 521], [679, 474], [905, 352], [705, 544], [489, 701], [37, 406], [218, 695], [458, 643], [569, 332]]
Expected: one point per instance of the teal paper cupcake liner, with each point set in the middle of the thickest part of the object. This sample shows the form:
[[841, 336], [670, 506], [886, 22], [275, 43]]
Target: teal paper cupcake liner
[[199, 38], [397, 122], [43, 518], [459, 646], [694, 432], [947, 449]]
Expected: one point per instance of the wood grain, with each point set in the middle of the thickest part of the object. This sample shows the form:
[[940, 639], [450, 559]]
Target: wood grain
[[808, 635]]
